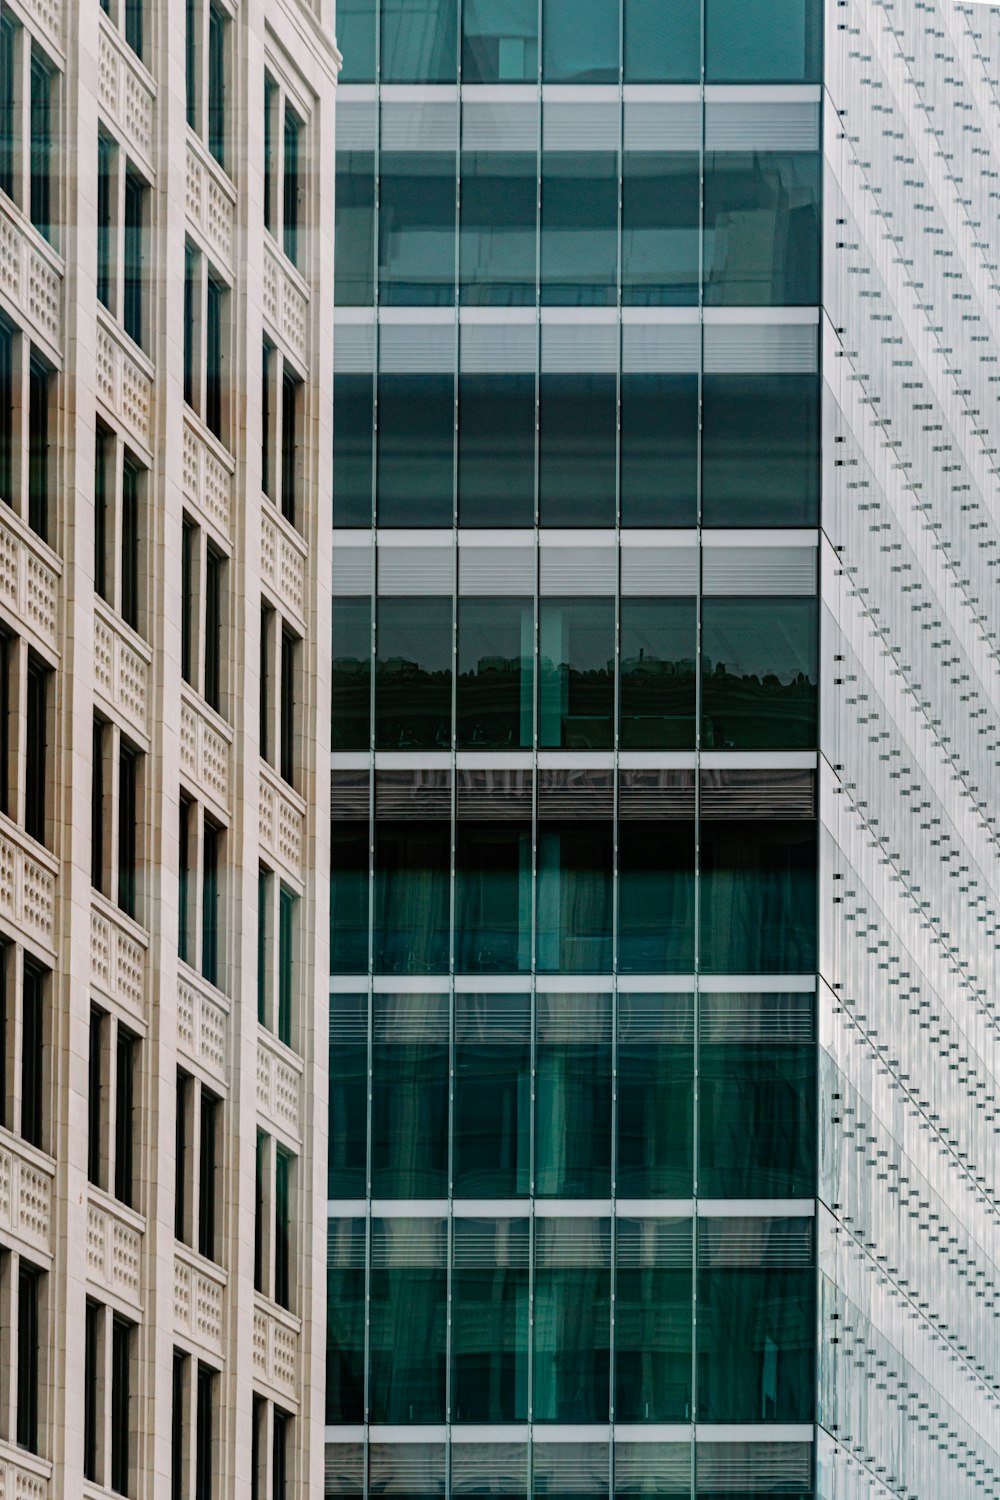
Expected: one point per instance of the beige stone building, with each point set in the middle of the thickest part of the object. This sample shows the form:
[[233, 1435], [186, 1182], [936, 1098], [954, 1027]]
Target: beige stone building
[[165, 471]]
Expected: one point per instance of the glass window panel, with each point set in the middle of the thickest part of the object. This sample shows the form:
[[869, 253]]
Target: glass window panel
[[409, 1107], [576, 673], [762, 228], [356, 30], [354, 254], [655, 1096], [755, 1338], [492, 897], [752, 41], [659, 449], [417, 199], [490, 1330], [413, 673], [662, 41], [760, 453], [580, 41], [419, 41], [661, 228], [408, 1321], [758, 896], [757, 1118], [659, 645], [495, 701], [656, 896], [496, 450], [573, 1096], [572, 1324], [352, 645], [349, 898], [412, 879], [653, 1322], [499, 41], [492, 1106], [577, 450], [353, 449], [498, 228], [416, 447], [759, 673], [347, 1169], [345, 1341], [579, 228]]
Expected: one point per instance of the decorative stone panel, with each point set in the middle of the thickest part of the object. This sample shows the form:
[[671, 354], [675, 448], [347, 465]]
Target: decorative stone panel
[[286, 305], [114, 1247], [48, 16], [202, 1025], [121, 671], [27, 887], [204, 751], [275, 1347], [199, 1300], [25, 1197], [282, 822], [124, 385], [29, 584], [210, 201], [29, 279], [207, 479], [117, 962], [283, 564], [22, 1476], [279, 1085], [125, 94]]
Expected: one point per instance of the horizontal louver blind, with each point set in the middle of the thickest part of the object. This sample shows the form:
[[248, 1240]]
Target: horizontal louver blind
[[496, 571], [492, 1020], [344, 1469], [572, 1242], [409, 1242], [580, 126], [758, 794], [655, 1242], [761, 348], [582, 1017], [662, 125], [578, 793], [754, 1468], [349, 795], [421, 348], [764, 1243], [348, 1020], [767, 125], [575, 571], [495, 794], [759, 1020], [352, 570], [415, 570], [570, 1468], [346, 1244], [759, 570], [412, 126], [653, 1468], [357, 122], [406, 1469], [650, 1019], [579, 348], [656, 793], [353, 348], [661, 348], [496, 348], [489, 1468], [659, 572], [400, 1020], [413, 794], [489, 125], [485, 1243]]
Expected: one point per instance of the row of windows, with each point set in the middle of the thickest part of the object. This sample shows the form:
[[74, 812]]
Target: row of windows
[[572, 890], [472, 663], [27, 396], [729, 228], [481, 1320], [582, 41], [576, 449], [572, 1095]]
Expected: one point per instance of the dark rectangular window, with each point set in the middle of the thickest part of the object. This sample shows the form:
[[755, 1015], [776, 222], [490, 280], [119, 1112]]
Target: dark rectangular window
[[286, 963], [131, 578], [105, 219], [97, 850], [217, 84], [211, 851], [191, 62], [190, 310], [95, 1101], [128, 811], [33, 1080], [8, 138], [258, 1222], [289, 656], [36, 764], [269, 93], [282, 1229], [184, 880], [181, 1151], [41, 147], [215, 565], [104, 451], [91, 1377], [263, 900], [38, 448], [134, 25], [213, 357], [132, 281], [279, 1455], [6, 654], [291, 187], [289, 444], [178, 1489], [121, 1371], [28, 1355], [189, 568], [207, 1174], [205, 1418], [257, 1445], [266, 451], [125, 1117], [266, 620], [6, 412], [5, 1018]]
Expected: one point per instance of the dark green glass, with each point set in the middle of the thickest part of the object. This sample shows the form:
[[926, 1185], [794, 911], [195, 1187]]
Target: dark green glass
[[499, 41], [655, 1120], [345, 1345], [408, 1311], [757, 41], [492, 1096], [758, 896], [572, 1321], [659, 449], [579, 263], [659, 645], [574, 897], [356, 33], [349, 858], [759, 673], [573, 1096], [498, 228], [656, 896], [354, 257], [489, 1321], [756, 1342], [576, 674], [419, 41], [761, 228], [577, 449], [760, 450], [579, 41], [413, 673], [662, 41], [352, 633], [661, 228], [416, 450], [495, 699], [412, 879], [409, 1103], [756, 1121], [653, 1324], [347, 1161], [492, 896], [496, 450], [353, 449], [417, 228]]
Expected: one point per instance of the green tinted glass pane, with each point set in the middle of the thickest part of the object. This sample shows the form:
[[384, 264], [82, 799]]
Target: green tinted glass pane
[[759, 673], [351, 674], [417, 228], [347, 1173], [353, 449], [579, 41], [655, 1096], [345, 1345], [349, 898], [756, 1344], [419, 41], [662, 41], [655, 896], [761, 236], [499, 41], [754, 41], [572, 1337], [412, 879], [498, 228], [409, 1105], [661, 228], [659, 449], [757, 1121], [658, 689], [653, 1338], [758, 896], [356, 29], [495, 704], [496, 450], [573, 1096], [489, 1318], [579, 228], [354, 256], [492, 897], [576, 672], [407, 1343], [577, 449], [416, 445], [492, 1105], [760, 451], [413, 673]]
